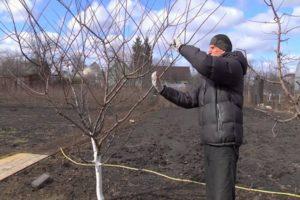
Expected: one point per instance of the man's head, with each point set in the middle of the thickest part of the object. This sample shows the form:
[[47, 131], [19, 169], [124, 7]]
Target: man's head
[[219, 44]]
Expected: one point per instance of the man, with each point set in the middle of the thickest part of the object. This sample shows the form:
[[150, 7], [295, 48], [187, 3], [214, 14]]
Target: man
[[219, 96]]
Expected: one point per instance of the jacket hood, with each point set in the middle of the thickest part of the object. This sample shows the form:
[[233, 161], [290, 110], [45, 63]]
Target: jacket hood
[[240, 57]]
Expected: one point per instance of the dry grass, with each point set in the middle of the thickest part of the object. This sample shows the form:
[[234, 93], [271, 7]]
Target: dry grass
[[124, 100]]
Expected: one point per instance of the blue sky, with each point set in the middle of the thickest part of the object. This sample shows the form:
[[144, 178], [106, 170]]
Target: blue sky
[[255, 38]]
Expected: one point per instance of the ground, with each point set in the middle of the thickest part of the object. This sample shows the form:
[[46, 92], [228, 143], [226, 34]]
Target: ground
[[166, 141]]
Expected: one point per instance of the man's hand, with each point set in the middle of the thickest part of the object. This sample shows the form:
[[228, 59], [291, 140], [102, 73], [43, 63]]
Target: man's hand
[[156, 82], [176, 43]]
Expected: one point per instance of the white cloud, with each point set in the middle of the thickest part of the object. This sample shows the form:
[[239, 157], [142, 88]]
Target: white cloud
[[151, 22], [200, 16], [296, 11], [255, 28], [254, 37], [16, 8], [261, 37], [251, 43], [294, 21], [92, 16], [286, 3], [8, 45], [228, 16]]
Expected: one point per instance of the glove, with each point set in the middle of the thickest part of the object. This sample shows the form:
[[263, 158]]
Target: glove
[[176, 43], [156, 82]]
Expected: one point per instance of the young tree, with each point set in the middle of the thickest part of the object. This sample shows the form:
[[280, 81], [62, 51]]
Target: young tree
[[86, 32], [281, 35]]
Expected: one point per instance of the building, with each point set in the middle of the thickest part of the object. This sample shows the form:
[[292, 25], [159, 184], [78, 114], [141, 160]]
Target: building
[[297, 79], [174, 76], [14, 74]]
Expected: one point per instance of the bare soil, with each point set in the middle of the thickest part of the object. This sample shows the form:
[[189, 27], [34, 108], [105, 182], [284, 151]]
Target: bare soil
[[35, 129], [166, 141]]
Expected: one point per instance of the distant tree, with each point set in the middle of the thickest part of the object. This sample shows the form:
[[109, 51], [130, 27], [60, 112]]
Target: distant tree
[[137, 56], [147, 57], [147, 60], [141, 58]]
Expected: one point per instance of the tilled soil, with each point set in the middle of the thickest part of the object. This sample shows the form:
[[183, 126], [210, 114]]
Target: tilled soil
[[168, 141], [33, 129]]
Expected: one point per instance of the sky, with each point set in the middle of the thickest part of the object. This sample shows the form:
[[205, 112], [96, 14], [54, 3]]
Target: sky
[[239, 19]]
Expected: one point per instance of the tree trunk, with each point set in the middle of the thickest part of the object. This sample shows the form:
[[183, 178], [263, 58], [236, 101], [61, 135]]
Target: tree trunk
[[98, 171]]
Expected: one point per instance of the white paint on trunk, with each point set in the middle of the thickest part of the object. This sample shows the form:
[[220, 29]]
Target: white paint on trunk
[[98, 171]]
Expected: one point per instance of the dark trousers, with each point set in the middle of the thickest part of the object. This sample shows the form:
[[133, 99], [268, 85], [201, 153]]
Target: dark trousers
[[220, 171]]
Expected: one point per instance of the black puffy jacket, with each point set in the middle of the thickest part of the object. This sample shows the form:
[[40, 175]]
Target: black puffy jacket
[[219, 95]]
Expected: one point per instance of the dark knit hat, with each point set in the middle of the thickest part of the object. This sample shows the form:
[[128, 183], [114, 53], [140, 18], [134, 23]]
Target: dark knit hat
[[222, 41]]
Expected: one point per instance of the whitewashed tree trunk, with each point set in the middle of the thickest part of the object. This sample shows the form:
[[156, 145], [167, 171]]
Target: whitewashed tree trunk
[[98, 171]]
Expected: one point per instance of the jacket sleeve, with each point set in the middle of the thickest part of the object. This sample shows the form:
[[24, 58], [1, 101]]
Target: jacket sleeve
[[221, 70], [182, 99]]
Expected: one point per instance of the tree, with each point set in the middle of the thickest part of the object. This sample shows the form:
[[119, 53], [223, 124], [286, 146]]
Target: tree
[[137, 55], [138, 58], [98, 33], [141, 59], [281, 35], [147, 62], [147, 54]]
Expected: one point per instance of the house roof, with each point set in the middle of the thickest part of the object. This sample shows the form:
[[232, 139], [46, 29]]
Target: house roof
[[291, 75], [174, 74]]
